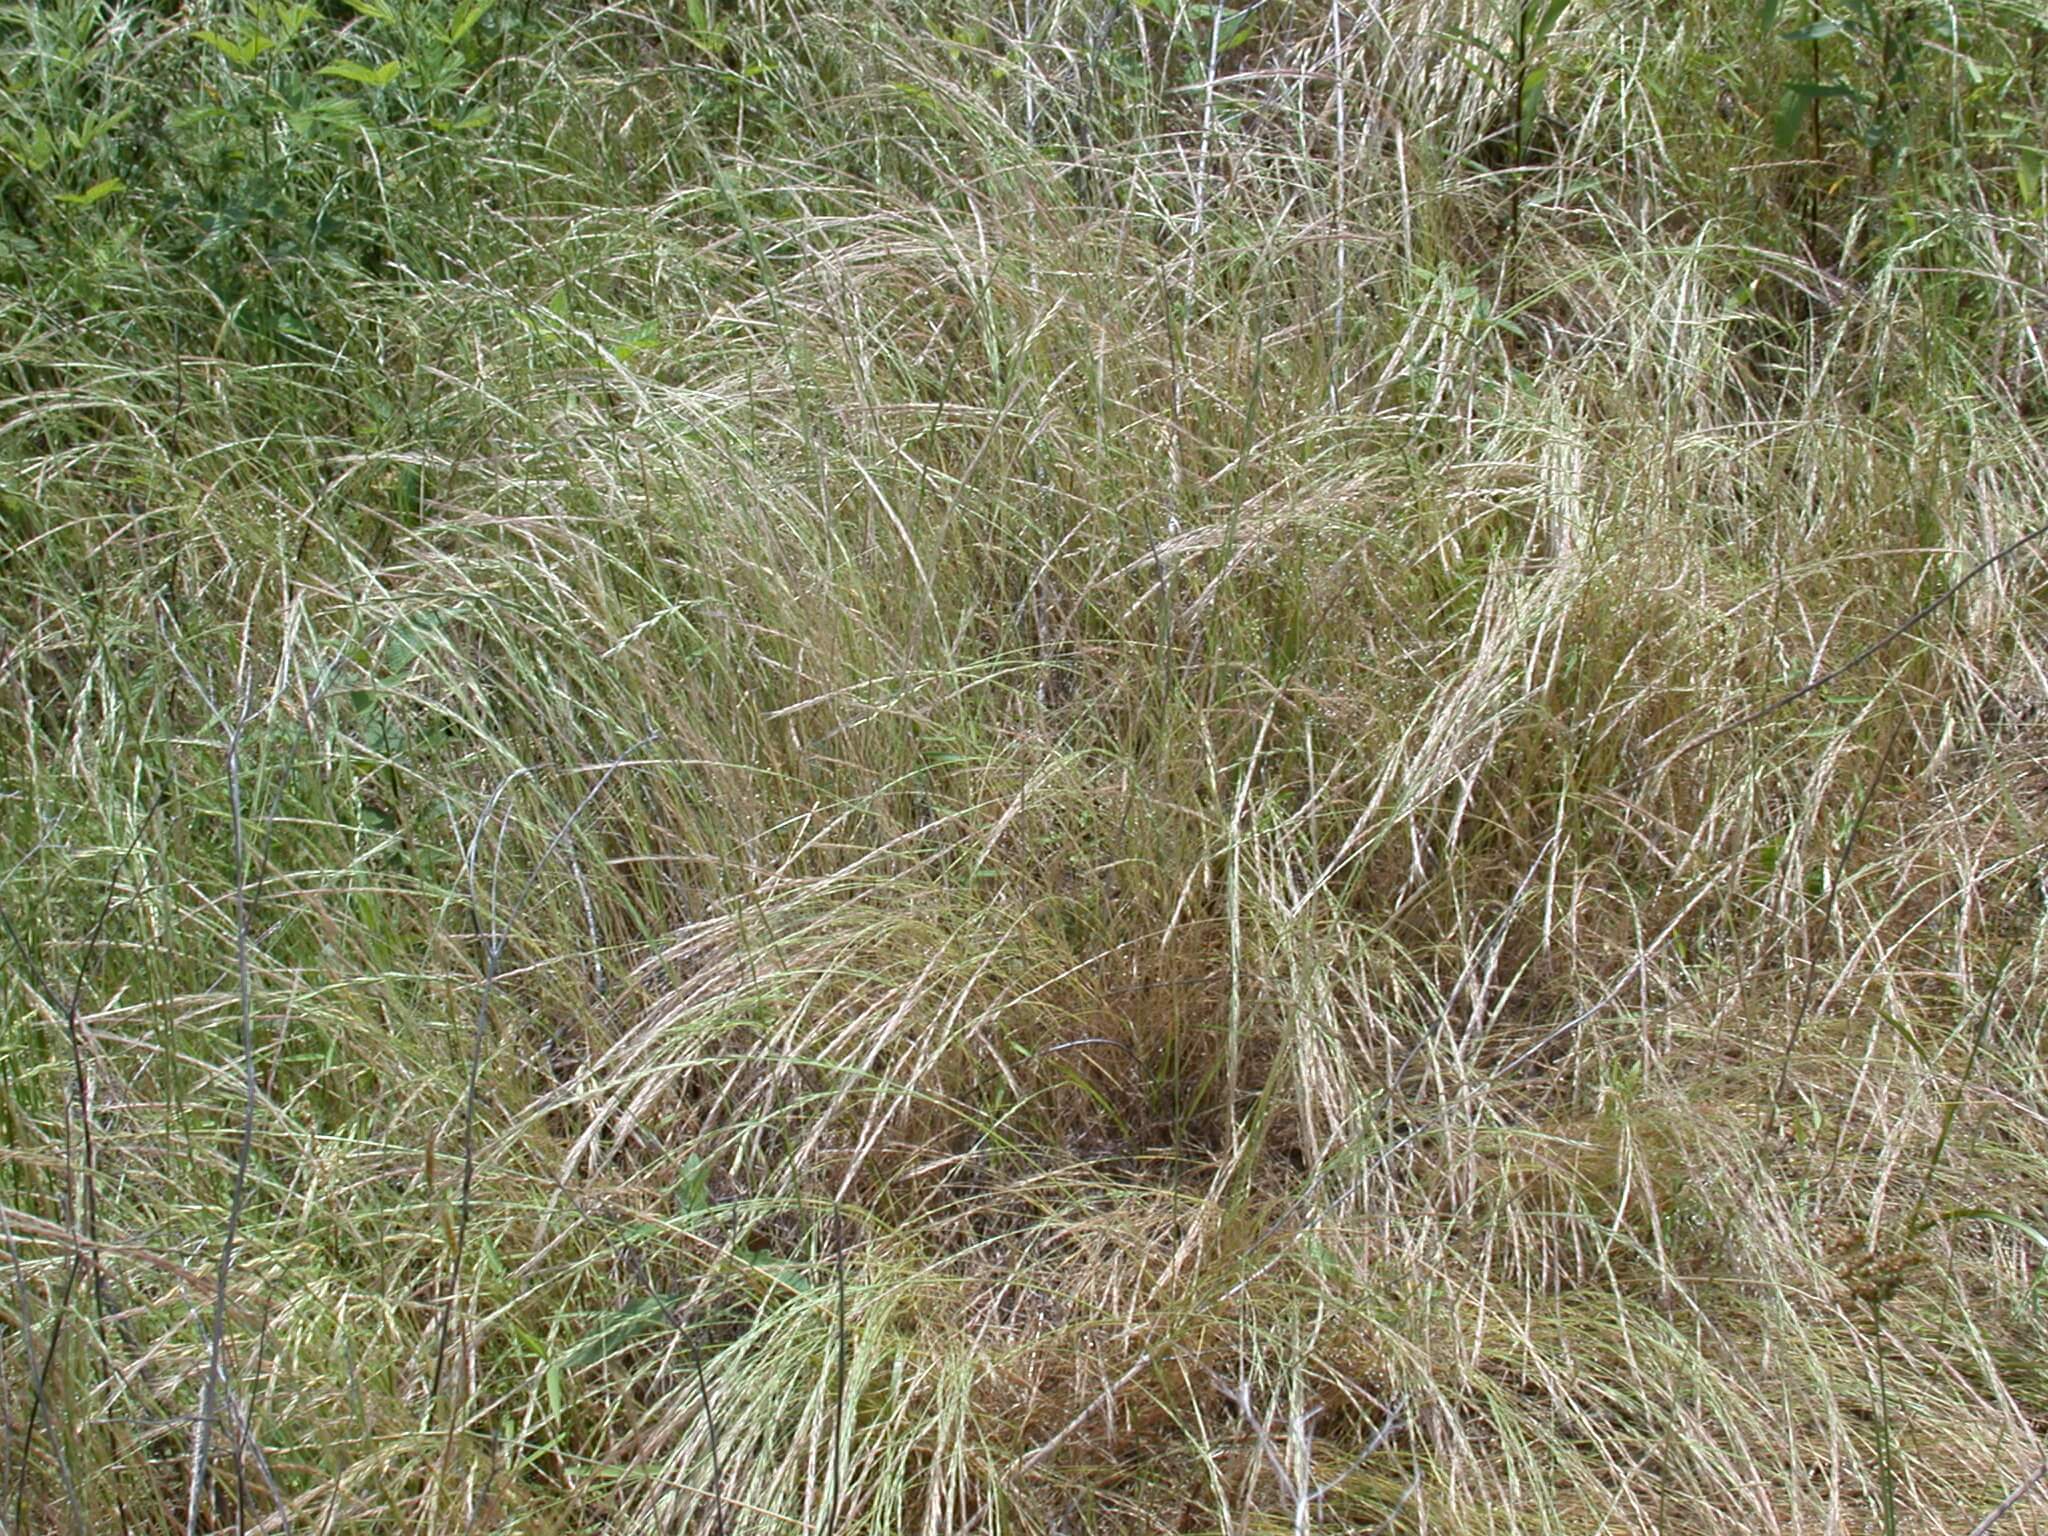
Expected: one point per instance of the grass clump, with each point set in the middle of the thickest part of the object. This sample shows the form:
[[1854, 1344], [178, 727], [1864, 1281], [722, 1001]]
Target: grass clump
[[1142, 768]]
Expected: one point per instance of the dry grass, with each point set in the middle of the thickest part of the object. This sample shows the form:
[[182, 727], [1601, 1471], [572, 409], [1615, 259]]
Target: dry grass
[[967, 773]]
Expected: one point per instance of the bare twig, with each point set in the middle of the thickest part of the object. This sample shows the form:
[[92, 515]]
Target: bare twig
[[1898, 631], [2005, 1507]]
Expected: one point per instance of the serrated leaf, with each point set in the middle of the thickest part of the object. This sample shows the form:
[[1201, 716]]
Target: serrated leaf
[[93, 193], [362, 74]]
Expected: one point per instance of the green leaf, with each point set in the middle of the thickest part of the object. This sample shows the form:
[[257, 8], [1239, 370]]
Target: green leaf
[[371, 9], [1906, 1036], [325, 119], [693, 1180], [1546, 23], [1785, 126], [1532, 98], [785, 1273], [243, 51], [615, 1330], [362, 74], [468, 17], [93, 193], [410, 638], [475, 117], [1799, 95], [623, 348]]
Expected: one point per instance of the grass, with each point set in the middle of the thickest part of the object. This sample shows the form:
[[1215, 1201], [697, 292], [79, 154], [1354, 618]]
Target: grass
[[886, 769]]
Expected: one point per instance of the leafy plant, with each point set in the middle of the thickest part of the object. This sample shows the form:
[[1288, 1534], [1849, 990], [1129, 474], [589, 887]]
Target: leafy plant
[[1516, 61], [1516, 64], [1913, 93], [1879, 53]]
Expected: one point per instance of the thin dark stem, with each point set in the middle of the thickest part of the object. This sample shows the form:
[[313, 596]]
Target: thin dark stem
[[2005, 1505], [493, 954], [89, 1165], [839, 1367], [1819, 153], [209, 1397], [1887, 1492], [1887, 1476], [1521, 134], [1298, 1211], [1898, 631], [41, 1375], [710, 1432]]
